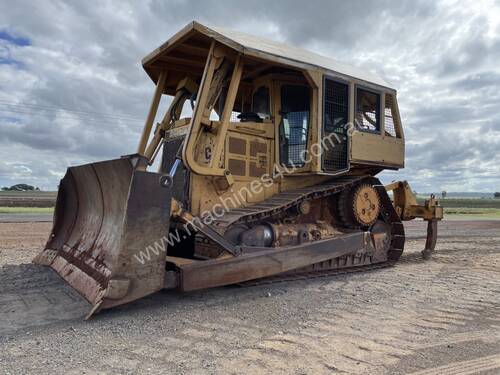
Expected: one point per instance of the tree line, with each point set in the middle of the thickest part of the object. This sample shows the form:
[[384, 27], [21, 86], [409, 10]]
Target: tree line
[[21, 187]]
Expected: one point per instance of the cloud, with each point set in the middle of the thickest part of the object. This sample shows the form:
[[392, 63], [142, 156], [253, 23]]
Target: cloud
[[72, 89]]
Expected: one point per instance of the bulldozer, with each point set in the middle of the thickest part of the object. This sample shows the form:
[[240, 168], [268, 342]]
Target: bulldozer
[[263, 166]]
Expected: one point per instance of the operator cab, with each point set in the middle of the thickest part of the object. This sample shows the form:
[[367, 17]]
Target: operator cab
[[249, 111]]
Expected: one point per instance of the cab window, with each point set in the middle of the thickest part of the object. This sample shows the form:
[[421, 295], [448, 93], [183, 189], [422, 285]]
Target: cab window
[[261, 103], [367, 110]]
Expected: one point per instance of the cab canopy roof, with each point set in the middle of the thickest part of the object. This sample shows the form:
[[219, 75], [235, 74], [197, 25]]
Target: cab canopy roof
[[185, 53]]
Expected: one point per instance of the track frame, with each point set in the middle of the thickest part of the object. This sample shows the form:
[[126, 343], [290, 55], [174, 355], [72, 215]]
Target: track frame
[[354, 249]]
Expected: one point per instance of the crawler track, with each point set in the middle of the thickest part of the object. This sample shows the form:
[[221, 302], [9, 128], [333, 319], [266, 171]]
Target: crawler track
[[316, 274], [277, 206]]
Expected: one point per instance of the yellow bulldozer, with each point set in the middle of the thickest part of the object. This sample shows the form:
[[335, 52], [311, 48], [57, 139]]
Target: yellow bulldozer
[[266, 162]]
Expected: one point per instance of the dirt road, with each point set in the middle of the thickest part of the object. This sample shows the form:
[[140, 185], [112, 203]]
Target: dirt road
[[435, 317]]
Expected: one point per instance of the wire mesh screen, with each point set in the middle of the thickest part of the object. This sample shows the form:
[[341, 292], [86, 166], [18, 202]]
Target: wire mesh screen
[[390, 122], [295, 106], [335, 120], [368, 111], [294, 138]]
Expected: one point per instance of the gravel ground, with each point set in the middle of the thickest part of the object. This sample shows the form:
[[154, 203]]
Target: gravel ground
[[436, 317]]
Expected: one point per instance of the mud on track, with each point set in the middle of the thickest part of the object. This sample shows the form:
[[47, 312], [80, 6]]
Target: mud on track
[[441, 316]]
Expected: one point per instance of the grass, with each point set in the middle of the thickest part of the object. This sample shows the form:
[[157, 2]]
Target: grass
[[26, 210], [454, 208], [32, 193], [469, 208], [470, 203], [472, 213], [24, 199]]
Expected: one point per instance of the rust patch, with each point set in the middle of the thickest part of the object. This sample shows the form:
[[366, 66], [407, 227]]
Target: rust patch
[[94, 273]]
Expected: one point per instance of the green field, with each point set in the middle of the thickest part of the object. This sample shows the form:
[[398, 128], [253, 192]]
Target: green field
[[28, 194], [22, 199], [26, 210], [470, 208], [471, 203], [472, 213], [41, 202]]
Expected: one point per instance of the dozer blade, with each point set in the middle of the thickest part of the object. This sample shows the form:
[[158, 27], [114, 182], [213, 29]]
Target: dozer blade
[[107, 215]]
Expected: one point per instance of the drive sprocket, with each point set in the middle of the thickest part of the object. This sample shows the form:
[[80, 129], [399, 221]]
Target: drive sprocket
[[359, 206]]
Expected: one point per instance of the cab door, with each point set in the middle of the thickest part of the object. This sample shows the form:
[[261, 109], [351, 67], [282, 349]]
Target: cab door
[[293, 130], [335, 155]]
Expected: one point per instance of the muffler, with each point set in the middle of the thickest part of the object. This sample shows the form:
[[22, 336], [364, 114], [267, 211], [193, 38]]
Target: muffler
[[110, 222]]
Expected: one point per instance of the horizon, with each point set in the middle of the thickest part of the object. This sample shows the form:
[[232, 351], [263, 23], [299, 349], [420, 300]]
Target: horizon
[[72, 89], [437, 193]]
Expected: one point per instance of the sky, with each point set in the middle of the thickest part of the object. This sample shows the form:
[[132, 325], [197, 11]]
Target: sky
[[72, 89]]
